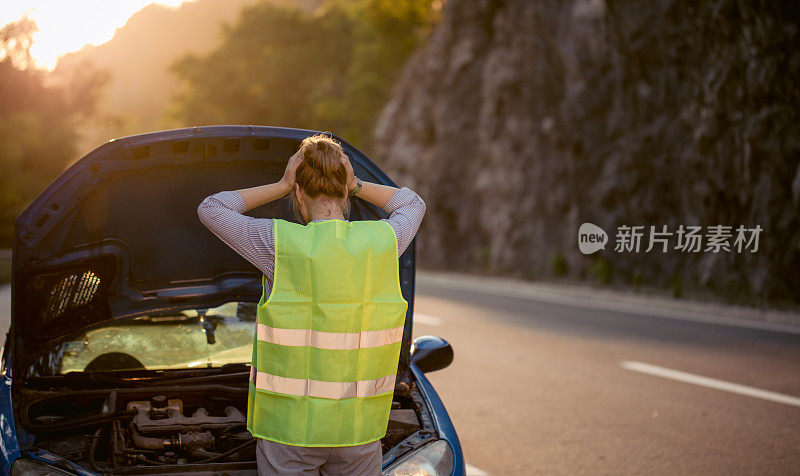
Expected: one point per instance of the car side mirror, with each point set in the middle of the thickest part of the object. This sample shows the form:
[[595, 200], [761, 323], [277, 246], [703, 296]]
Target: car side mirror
[[431, 353]]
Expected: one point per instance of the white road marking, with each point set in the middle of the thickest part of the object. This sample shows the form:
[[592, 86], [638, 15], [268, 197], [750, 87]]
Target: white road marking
[[427, 319], [710, 382], [473, 471]]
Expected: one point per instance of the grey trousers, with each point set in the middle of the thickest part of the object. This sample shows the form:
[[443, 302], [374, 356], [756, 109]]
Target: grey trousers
[[279, 459]]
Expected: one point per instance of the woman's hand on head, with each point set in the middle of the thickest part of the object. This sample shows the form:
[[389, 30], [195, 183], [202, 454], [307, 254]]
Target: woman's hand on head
[[348, 167], [289, 175]]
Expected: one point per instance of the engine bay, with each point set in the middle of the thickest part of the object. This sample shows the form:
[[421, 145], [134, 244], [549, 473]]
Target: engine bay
[[171, 429]]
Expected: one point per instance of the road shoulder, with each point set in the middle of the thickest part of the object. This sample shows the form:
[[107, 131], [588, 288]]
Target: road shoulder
[[588, 297]]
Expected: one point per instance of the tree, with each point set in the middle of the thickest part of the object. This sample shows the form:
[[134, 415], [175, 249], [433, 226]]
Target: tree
[[331, 69], [37, 122]]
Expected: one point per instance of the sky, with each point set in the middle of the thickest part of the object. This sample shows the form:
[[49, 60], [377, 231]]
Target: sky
[[66, 26]]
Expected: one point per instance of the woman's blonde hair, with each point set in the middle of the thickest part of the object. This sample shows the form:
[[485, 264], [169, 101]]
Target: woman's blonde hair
[[321, 172]]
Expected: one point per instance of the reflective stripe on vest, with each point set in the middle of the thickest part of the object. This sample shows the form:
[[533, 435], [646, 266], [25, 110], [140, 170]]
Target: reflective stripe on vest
[[320, 388], [328, 338]]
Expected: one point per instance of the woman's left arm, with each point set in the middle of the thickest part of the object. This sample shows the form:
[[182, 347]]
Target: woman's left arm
[[405, 207]]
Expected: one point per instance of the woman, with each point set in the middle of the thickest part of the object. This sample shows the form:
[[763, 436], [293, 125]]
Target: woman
[[331, 316]]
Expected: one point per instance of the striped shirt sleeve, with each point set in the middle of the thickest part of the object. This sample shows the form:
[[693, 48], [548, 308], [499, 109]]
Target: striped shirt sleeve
[[405, 210], [254, 238]]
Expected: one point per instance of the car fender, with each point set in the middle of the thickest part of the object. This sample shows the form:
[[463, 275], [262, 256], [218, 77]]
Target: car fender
[[9, 445], [440, 419]]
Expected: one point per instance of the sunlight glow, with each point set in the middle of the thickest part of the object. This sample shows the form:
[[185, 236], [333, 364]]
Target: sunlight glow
[[68, 26]]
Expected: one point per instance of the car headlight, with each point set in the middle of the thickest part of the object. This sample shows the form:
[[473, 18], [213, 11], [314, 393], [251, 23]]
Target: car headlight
[[434, 459], [26, 467]]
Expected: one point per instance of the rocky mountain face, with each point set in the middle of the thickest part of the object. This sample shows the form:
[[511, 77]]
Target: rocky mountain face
[[520, 120]]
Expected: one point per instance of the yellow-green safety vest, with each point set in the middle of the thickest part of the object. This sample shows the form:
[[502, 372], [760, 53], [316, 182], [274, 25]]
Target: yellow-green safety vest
[[328, 339]]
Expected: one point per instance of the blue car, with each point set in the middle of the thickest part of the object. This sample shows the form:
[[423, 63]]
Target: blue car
[[132, 325]]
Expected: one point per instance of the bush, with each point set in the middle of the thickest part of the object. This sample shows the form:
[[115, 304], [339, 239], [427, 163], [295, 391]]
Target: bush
[[601, 270], [559, 265]]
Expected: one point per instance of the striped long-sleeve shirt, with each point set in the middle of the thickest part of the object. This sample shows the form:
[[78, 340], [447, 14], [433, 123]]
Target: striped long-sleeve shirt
[[254, 238]]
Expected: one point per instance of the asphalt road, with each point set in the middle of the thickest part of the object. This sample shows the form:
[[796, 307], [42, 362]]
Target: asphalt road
[[540, 388]]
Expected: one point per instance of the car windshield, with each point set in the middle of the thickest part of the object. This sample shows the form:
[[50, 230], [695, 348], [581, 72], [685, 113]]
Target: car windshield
[[193, 338]]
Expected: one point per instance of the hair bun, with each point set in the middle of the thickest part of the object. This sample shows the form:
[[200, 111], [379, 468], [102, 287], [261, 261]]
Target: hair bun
[[322, 171]]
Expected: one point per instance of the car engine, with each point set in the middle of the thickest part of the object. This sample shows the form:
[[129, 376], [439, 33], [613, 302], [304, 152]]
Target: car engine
[[133, 427], [174, 429], [160, 425]]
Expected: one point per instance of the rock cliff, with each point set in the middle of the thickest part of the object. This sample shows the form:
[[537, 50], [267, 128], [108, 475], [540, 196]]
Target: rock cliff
[[519, 120]]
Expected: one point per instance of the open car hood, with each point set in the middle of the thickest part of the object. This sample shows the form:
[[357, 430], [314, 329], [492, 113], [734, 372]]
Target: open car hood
[[117, 233]]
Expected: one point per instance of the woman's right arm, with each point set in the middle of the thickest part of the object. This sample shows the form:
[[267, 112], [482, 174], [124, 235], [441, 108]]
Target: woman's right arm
[[252, 238]]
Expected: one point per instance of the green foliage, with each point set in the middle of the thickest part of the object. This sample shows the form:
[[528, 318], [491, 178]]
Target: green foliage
[[559, 265], [602, 270], [483, 256], [332, 69], [676, 285], [637, 279], [37, 130]]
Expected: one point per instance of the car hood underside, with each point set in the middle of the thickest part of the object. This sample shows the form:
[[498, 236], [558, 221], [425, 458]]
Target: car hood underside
[[117, 234]]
